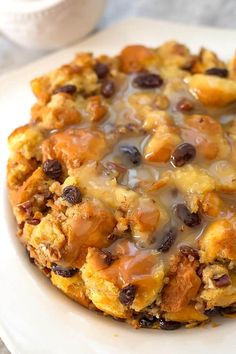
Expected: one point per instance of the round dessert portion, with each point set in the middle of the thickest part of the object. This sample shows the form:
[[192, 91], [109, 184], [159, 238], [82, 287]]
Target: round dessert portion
[[123, 184]]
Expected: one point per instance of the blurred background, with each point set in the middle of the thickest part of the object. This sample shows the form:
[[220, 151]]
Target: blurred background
[[220, 13]]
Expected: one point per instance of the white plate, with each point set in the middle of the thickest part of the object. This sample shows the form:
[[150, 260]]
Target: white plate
[[35, 318]]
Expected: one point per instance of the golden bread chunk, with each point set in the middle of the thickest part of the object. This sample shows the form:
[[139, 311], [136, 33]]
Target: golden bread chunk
[[123, 183], [212, 90], [218, 241], [183, 285], [73, 287], [216, 292], [58, 113], [73, 147]]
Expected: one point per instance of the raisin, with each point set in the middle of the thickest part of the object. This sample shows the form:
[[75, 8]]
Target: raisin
[[147, 322], [132, 153], [72, 194], [223, 281], [228, 310], [184, 105], [26, 207], [189, 219], [183, 154], [101, 70], [108, 88], [64, 272], [69, 89], [169, 325], [216, 311], [167, 240], [108, 257], [148, 80], [221, 72], [127, 295], [52, 168], [200, 269], [189, 251], [32, 221]]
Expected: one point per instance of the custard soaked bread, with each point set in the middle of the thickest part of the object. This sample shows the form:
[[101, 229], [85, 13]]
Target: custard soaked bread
[[123, 183]]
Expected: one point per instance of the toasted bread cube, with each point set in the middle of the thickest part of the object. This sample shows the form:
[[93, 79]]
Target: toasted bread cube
[[104, 282], [207, 135], [45, 240], [162, 144], [187, 314], [73, 147], [225, 175], [134, 57], [73, 287], [58, 113], [218, 241], [218, 296], [212, 90], [194, 182]]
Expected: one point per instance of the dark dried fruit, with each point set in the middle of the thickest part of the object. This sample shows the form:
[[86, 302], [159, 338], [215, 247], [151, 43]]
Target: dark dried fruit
[[184, 105], [228, 310], [127, 294], [183, 154], [200, 269], [101, 70], [223, 281], [168, 240], [52, 168], [216, 311], [148, 80], [69, 89], [32, 221], [132, 153], [72, 194], [169, 325], [147, 322], [189, 219], [108, 257], [108, 88], [189, 251], [221, 72], [64, 272]]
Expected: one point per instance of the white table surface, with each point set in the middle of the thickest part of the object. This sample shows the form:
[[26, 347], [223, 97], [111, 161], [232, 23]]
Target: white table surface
[[221, 13]]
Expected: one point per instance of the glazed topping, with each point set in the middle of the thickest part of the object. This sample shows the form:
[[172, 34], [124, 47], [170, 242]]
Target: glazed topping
[[72, 194], [63, 272], [52, 168]]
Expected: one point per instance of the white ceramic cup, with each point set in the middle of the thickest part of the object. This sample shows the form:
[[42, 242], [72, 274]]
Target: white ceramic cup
[[48, 24]]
